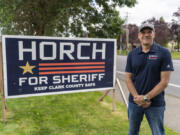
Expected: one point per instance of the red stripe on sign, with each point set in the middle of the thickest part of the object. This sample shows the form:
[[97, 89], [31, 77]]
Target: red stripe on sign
[[72, 63], [68, 72], [65, 68]]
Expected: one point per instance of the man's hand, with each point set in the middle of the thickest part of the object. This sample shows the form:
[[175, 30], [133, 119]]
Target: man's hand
[[146, 105], [139, 100]]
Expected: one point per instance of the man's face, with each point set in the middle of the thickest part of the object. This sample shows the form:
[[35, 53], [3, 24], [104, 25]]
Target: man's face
[[146, 37]]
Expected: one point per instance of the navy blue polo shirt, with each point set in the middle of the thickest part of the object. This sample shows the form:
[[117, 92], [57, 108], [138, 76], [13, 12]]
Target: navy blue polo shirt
[[146, 69]]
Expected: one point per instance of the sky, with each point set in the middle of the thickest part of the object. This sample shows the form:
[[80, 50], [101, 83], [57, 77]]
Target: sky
[[146, 9]]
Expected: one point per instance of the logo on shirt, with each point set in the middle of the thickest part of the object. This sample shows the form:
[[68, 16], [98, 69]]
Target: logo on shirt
[[153, 57], [168, 66]]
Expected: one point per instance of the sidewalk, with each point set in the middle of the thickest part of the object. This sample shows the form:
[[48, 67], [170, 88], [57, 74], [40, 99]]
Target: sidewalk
[[172, 116]]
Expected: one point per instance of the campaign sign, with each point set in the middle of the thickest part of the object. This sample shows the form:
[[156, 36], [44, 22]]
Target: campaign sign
[[50, 65]]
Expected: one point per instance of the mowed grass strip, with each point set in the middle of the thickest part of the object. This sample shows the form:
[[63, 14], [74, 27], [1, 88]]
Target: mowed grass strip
[[175, 55], [69, 114]]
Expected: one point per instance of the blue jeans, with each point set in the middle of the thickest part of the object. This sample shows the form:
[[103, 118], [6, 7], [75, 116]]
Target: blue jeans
[[154, 115]]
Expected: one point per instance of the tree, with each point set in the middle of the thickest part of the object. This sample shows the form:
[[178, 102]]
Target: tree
[[97, 18], [163, 32], [177, 14], [133, 36], [175, 28]]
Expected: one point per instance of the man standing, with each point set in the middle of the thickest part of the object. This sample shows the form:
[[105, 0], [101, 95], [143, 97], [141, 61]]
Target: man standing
[[148, 72]]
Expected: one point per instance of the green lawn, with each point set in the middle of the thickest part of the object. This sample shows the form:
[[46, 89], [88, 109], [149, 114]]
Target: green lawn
[[123, 52], [69, 114], [175, 55]]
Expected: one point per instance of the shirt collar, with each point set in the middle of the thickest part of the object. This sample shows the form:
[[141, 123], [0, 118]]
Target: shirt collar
[[153, 48]]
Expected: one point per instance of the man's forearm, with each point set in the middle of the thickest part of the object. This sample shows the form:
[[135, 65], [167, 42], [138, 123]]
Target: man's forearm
[[138, 99], [157, 89], [131, 87], [165, 76]]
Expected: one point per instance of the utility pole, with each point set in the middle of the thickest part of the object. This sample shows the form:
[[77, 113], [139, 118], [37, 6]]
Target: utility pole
[[120, 43], [127, 33]]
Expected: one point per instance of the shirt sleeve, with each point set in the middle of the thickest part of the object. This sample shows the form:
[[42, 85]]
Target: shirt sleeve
[[167, 64], [129, 64]]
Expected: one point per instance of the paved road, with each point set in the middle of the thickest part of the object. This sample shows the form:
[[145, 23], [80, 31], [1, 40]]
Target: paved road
[[172, 89]]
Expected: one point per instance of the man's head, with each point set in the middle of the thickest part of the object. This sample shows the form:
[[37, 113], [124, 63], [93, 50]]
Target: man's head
[[146, 34]]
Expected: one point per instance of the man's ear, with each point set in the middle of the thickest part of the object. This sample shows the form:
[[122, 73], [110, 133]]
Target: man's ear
[[139, 35], [154, 34]]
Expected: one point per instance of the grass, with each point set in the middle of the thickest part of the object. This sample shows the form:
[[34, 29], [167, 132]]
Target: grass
[[123, 52], [69, 114], [175, 55]]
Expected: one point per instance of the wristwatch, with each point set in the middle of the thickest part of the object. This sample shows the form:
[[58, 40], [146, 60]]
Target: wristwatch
[[146, 99]]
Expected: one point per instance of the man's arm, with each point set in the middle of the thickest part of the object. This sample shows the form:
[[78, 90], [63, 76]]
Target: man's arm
[[130, 85], [133, 91], [165, 76]]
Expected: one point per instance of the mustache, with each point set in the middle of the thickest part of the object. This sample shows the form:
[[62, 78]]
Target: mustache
[[148, 37]]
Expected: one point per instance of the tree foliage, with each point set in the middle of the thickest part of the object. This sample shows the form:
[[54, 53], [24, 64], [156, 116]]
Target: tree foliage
[[97, 18], [177, 15], [175, 28], [132, 36]]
